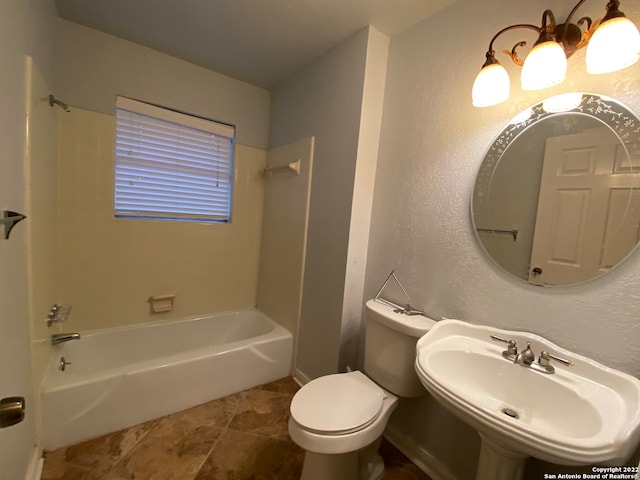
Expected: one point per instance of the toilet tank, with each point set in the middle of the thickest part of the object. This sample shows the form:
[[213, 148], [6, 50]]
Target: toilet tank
[[390, 348]]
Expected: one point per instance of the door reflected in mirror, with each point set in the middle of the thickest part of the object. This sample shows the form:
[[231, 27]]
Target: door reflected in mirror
[[557, 198]]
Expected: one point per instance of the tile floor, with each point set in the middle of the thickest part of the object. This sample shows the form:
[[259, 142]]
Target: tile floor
[[239, 437]]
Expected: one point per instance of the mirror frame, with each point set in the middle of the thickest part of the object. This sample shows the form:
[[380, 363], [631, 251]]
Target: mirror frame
[[610, 112]]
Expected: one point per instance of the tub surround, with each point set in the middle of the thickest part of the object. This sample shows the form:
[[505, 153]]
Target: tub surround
[[124, 376], [111, 266], [284, 235]]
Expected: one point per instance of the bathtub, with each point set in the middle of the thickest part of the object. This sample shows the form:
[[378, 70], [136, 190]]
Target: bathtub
[[123, 376]]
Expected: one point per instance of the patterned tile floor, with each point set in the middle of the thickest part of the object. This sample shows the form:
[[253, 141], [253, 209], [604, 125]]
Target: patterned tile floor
[[239, 437]]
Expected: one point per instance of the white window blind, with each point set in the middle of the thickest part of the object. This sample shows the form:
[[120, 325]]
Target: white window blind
[[170, 165]]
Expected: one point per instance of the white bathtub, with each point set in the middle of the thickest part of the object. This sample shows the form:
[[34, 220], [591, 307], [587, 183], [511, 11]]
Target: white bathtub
[[124, 376]]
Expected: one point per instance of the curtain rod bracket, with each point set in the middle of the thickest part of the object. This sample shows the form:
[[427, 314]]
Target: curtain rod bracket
[[293, 167]]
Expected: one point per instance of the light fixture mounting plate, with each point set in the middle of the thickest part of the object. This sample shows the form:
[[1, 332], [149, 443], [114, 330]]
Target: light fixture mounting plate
[[570, 39]]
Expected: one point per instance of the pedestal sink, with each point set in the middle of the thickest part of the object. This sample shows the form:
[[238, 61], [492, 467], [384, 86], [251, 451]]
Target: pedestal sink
[[584, 414]]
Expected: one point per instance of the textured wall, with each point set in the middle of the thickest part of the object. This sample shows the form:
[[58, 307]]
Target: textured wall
[[432, 144]]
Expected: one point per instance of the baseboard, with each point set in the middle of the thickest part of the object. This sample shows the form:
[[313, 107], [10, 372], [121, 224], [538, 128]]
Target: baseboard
[[419, 456], [35, 465], [300, 377]]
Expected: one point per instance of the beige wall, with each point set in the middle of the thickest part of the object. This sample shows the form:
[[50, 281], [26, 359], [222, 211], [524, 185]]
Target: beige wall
[[92, 67], [108, 268]]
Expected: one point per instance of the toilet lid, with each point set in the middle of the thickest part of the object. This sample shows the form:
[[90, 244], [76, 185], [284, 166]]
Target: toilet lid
[[337, 404]]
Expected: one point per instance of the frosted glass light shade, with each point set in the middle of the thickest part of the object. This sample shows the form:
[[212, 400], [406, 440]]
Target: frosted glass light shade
[[614, 45], [491, 86], [545, 66]]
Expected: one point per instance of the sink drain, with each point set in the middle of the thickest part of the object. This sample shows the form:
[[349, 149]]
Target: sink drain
[[510, 413]]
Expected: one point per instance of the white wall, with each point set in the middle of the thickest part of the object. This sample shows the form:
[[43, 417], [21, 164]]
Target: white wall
[[25, 29], [325, 100], [91, 68], [432, 144]]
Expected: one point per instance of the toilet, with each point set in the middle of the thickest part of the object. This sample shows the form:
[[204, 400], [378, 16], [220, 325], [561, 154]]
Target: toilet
[[338, 419]]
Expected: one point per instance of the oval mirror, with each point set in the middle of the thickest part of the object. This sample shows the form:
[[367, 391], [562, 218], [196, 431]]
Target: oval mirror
[[557, 198]]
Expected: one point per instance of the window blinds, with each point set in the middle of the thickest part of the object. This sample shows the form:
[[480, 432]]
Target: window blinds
[[171, 165]]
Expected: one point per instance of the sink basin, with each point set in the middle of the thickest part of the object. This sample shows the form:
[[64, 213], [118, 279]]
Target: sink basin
[[581, 414]]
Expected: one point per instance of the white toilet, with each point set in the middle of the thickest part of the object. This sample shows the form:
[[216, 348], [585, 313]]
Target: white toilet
[[339, 419]]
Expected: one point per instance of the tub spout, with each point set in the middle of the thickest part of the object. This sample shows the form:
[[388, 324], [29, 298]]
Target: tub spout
[[58, 338]]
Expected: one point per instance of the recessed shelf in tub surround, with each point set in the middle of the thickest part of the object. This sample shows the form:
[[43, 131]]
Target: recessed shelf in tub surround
[[161, 303]]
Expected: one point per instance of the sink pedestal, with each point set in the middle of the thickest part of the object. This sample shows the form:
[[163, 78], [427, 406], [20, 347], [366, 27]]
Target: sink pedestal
[[498, 463]]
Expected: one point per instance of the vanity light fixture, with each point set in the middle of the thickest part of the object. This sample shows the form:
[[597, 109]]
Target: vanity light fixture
[[613, 43]]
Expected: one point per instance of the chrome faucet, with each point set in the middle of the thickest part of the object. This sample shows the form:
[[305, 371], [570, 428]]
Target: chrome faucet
[[527, 358], [58, 338]]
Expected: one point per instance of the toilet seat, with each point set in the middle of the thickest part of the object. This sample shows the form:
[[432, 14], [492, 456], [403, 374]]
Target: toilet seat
[[337, 404]]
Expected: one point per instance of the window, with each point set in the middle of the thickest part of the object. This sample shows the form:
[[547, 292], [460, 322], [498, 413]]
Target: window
[[170, 165]]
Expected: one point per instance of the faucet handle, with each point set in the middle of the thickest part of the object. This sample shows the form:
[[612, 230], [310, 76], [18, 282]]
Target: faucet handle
[[512, 348], [58, 313], [545, 359]]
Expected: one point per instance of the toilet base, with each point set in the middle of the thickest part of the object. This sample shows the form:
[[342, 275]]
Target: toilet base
[[364, 464]]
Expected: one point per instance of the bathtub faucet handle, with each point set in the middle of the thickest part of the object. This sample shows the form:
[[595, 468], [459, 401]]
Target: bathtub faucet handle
[[62, 365], [58, 338], [58, 313]]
